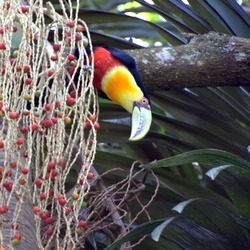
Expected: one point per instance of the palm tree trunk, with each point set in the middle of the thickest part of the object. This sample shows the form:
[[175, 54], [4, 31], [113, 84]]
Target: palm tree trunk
[[23, 218]]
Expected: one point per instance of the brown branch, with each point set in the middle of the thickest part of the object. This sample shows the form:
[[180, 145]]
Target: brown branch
[[208, 60]]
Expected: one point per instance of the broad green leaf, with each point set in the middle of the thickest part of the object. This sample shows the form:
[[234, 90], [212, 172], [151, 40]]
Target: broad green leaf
[[105, 17], [211, 157], [203, 8], [238, 9], [231, 18], [136, 233], [158, 230], [185, 13], [214, 218], [176, 22], [235, 182]]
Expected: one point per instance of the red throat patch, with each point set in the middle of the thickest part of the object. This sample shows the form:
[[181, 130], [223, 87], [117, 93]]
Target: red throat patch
[[104, 61]]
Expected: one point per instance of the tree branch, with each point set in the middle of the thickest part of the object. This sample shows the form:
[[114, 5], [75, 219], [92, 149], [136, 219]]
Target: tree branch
[[208, 60]]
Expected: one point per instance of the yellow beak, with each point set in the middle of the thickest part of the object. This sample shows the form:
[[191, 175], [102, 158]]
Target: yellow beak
[[140, 121]]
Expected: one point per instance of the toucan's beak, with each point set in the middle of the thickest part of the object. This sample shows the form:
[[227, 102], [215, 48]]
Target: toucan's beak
[[140, 121]]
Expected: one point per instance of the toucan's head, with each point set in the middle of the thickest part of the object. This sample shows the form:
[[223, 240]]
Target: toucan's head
[[120, 86], [116, 76]]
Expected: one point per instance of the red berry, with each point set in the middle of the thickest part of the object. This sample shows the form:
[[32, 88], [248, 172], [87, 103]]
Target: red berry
[[17, 236], [51, 165], [47, 123], [26, 68], [49, 232], [62, 201], [71, 24], [28, 53], [34, 126], [47, 107], [90, 175], [56, 47], [54, 120], [49, 221], [72, 94], [70, 101], [51, 72], [97, 126], [54, 58], [13, 226], [57, 104], [19, 141], [51, 192], [2, 46], [25, 113], [3, 209], [14, 29], [28, 81], [43, 215], [71, 57], [8, 173], [38, 182], [55, 172], [1, 144], [18, 68], [24, 9], [36, 209], [92, 118], [81, 181], [2, 30], [13, 164], [25, 170], [88, 125], [42, 196], [82, 224], [13, 115], [6, 184], [78, 37], [23, 130]]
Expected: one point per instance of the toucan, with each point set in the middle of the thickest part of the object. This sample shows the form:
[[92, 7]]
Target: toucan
[[116, 78]]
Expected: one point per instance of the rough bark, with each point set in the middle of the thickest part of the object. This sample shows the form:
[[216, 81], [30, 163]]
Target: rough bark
[[208, 60]]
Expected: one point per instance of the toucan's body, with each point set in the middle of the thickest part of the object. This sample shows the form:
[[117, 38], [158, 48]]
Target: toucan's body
[[116, 77]]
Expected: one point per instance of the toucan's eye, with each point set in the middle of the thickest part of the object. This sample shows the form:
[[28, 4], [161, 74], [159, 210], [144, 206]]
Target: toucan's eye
[[144, 101]]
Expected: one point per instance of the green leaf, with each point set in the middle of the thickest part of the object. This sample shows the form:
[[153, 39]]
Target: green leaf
[[235, 182], [181, 11], [231, 18], [136, 233], [204, 9], [158, 230], [105, 17], [175, 21], [214, 218], [211, 157]]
